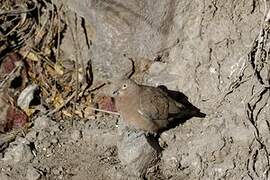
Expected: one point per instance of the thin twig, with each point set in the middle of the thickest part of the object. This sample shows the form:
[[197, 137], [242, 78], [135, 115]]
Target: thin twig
[[70, 98], [65, 103], [105, 111], [18, 67]]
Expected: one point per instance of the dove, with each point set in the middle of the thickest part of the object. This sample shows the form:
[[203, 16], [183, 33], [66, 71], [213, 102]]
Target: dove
[[147, 108]]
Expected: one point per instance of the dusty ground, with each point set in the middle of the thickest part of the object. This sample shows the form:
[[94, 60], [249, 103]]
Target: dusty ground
[[215, 52]]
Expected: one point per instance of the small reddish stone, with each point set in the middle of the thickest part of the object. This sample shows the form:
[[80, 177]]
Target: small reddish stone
[[9, 62], [106, 103], [16, 118]]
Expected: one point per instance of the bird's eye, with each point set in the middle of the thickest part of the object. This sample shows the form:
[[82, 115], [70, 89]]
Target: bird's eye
[[124, 86]]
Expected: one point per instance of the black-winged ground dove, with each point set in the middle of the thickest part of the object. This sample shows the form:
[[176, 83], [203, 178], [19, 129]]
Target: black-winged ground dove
[[147, 108]]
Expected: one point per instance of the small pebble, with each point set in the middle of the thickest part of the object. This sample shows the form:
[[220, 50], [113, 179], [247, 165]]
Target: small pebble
[[42, 135], [57, 171], [54, 141], [4, 176], [31, 136], [32, 174], [76, 135], [18, 152], [45, 145], [42, 122], [55, 128]]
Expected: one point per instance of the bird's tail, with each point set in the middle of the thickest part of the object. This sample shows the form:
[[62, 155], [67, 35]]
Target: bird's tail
[[187, 113]]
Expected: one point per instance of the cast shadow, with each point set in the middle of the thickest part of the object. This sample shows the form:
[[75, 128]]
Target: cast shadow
[[191, 110]]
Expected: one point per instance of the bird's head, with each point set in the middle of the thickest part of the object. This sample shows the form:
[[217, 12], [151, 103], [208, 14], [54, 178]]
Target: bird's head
[[124, 87]]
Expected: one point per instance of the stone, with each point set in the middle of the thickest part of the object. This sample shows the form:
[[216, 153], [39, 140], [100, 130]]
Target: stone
[[55, 128], [4, 176], [46, 144], [57, 171], [76, 135], [18, 152], [31, 136], [26, 96], [42, 122], [137, 152], [33, 174], [157, 68], [42, 135], [54, 141]]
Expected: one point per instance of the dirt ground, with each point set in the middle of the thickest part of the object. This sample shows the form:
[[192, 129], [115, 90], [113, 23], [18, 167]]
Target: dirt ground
[[215, 52]]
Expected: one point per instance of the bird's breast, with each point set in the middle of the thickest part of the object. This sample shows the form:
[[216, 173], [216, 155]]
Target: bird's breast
[[129, 111]]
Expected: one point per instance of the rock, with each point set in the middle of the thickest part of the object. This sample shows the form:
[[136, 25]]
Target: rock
[[157, 68], [33, 174], [31, 136], [42, 135], [57, 171], [19, 151], [55, 128], [42, 122], [137, 152], [16, 118], [104, 64], [45, 145], [26, 96], [167, 137], [4, 176], [76, 135], [127, 32], [45, 169], [241, 134], [171, 160], [169, 80], [54, 141]]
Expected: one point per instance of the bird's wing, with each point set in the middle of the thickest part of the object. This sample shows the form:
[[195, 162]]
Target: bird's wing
[[153, 103]]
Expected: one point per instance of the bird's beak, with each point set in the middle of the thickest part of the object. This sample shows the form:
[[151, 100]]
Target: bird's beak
[[115, 92]]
